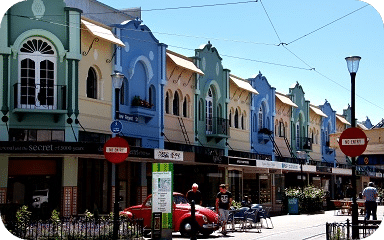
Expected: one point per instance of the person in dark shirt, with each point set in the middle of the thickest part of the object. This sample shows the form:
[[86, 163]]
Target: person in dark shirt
[[223, 204], [194, 194]]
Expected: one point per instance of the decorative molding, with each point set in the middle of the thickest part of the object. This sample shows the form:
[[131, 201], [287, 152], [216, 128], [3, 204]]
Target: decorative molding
[[38, 8]]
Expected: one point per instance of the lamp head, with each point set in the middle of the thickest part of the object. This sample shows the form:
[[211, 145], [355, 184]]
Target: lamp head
[[353, 63], [117, 80]]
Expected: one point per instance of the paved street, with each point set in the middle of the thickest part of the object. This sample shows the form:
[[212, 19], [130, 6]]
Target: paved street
[[291, 227]]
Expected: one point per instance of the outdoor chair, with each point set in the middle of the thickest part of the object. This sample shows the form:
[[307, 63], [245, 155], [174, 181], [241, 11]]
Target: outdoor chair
[[252, 217], [265, 214], [238, 217]]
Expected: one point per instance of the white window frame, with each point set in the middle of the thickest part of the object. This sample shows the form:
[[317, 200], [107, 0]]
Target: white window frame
[[209, 112], [37, 57]]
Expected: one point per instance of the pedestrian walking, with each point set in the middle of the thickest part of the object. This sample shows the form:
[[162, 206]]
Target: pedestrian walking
[[370, 195], [223, 204], [194, 194]]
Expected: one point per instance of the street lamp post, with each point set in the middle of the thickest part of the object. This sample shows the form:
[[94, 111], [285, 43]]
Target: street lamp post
[[353, 66], [117, 82]]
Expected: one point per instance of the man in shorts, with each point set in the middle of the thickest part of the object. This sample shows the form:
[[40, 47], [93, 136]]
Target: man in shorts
[[223, 204]]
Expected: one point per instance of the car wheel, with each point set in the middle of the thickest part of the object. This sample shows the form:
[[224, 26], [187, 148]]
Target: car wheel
[[186, 228]]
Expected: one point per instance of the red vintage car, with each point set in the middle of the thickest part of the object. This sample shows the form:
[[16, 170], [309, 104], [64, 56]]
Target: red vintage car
[[207, 219]]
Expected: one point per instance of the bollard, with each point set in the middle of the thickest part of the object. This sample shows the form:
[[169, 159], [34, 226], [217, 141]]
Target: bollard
[[193, 222]]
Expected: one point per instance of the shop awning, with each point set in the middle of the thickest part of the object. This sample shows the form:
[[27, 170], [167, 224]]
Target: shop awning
[[343, 120], [318, 111], [285, 100], [243, 84], [102, 32], [181, 62]]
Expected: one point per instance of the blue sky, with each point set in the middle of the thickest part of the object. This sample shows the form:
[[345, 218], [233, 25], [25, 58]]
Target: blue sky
[[247, 42]]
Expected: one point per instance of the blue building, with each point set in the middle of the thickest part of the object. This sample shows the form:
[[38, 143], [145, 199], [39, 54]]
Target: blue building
[[142, 61], [262, 117]]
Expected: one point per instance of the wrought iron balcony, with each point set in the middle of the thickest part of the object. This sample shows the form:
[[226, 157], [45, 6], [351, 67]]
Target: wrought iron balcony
[[40, 96], [304, 143], [218, 129]]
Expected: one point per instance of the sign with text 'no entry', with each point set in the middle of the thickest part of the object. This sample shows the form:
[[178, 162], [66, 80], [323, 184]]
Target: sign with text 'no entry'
[[116, 150], [353, 142]]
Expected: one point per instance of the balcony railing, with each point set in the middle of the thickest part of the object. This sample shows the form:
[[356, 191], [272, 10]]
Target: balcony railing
[[219, 128], [304, 143], [40, 96]]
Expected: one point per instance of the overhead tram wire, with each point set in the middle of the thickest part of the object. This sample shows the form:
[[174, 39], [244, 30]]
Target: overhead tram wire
[[246, 59], [327, 24], [311, 68]]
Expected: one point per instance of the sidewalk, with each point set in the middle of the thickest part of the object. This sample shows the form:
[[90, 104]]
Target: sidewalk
[[291, 227]]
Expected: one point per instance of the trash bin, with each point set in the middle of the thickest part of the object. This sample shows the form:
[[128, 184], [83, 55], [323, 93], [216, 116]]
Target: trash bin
[[293, 205]]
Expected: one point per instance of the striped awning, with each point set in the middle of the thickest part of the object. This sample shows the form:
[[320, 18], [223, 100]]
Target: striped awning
[[318, 111], [181, 62], [285, 100], [343, 120], [102, 32], [243, 84]]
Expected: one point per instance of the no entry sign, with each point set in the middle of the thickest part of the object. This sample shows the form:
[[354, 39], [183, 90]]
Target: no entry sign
[[116, 150], [353, 142]]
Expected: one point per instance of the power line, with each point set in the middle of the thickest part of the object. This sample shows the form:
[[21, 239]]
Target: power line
[[265, 10], [199, 6], [327, 24]]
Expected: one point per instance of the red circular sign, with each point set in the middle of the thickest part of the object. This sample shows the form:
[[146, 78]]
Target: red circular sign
[[116, 150], [353, 142]]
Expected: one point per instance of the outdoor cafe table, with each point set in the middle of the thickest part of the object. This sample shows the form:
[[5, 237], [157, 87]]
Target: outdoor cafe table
[[345, 205]]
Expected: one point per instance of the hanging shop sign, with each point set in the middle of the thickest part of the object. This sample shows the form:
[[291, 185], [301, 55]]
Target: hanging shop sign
[[165, 154]]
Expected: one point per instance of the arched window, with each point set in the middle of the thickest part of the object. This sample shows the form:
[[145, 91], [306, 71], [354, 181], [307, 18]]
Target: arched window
[[230, 118], [236, 120], [176, 104], [122, 94], [281, 129], [37, 71], [209, 112], [201, 107], [92, 83], [185, 107], [152, 96], [167, 102], [242, 122], [297, 135], [261, 118]]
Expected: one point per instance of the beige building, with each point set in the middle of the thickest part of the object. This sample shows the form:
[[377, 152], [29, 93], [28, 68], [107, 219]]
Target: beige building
[[283, 120], [315, 122], [240, 92], [179, 101], [95, 82]]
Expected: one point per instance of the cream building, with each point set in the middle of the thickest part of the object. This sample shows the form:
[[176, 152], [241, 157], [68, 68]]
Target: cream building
[[283, 120], [240, 92], [179, 99]]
